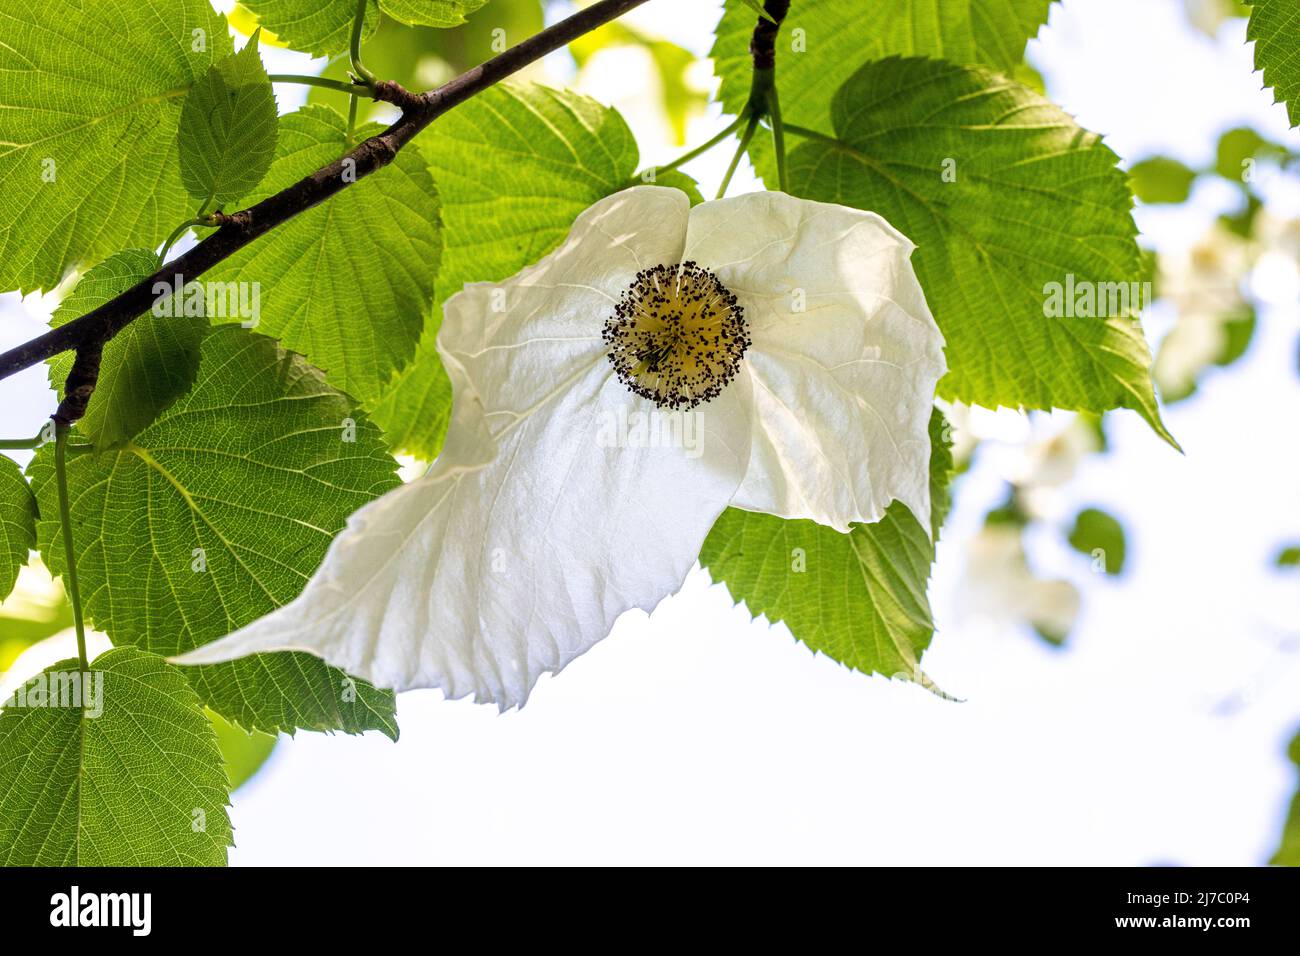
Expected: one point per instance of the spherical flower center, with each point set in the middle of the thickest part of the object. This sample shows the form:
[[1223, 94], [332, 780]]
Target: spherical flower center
[[677, 335]]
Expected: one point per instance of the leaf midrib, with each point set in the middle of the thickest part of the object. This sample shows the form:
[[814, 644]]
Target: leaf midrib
[[149, 460], [94, 120]]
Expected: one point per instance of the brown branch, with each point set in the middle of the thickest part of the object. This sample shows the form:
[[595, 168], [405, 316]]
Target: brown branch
[[80, 384], [762, 45], [90, 332]]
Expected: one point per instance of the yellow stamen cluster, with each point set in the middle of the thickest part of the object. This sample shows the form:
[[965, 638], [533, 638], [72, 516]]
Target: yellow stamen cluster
[[677, 336]]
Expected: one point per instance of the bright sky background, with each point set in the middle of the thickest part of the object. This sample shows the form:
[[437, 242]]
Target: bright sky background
[[696, 735]]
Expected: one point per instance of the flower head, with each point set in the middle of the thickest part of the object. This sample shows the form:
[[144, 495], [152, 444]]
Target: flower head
[[665, 362], [677, 336]]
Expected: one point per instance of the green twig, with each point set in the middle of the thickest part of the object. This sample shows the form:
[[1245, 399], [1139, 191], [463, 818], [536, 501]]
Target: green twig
[[22, 444], [740, 151], [813, 134], [778, 138], [176, 234], [352, 120], [701, 150], [324, 82], [354, 51], [69, 552], [201, 218]]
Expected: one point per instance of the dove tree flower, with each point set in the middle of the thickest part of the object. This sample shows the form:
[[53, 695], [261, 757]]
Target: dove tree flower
[[790, 338]]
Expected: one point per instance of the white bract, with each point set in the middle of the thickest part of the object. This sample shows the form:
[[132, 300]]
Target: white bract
[[785, 361]]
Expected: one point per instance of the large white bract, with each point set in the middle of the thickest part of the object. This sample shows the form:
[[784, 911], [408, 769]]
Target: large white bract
[[562, 499]]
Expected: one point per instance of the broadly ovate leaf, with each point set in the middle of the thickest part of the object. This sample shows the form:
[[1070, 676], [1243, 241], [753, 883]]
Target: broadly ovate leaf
[[1006, 199], [227, 131], [1160, 179], [141, 784], [92, 98], [514, 166], [859, 598], [17, 524], [348, 283], [1101, 537], [1275, 28], [321, 27], [217, 513], [144, 368], [835, 38]]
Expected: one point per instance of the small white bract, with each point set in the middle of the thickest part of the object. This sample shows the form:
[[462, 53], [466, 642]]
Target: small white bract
[[763, 352]]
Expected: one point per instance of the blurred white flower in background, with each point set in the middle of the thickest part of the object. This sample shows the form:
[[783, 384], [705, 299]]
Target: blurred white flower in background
[[1206, 285], [999, 586]]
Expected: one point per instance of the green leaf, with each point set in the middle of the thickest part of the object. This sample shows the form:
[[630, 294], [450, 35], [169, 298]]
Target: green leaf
[[415, 410], [242, 752], [1238, 332], [318, 27], [1236, 147], [835, 38], [17, 524], [347, 284], [514, 166], [1288, 557], [216, 514], [145, 367], [430, 13], [321, 27], [859, 598], [1160, 179], [1275, 28], [1101, 537], [92, 99], [1288, 854], [228, 126], [141, 784], [1008, 202]]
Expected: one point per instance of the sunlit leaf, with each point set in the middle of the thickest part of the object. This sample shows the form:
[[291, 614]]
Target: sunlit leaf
[[217, 513], [228, 127], [859, 598], [139, 784], [92, 99]]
